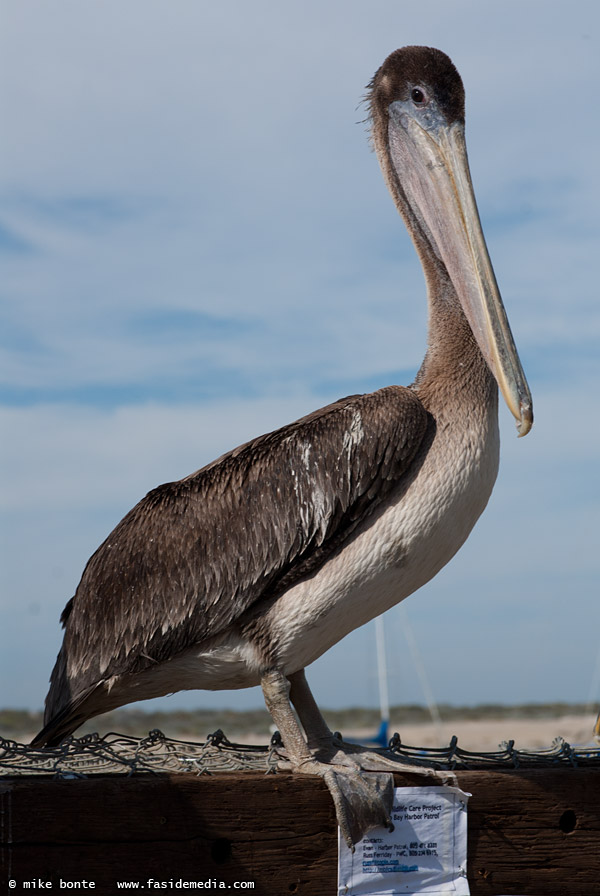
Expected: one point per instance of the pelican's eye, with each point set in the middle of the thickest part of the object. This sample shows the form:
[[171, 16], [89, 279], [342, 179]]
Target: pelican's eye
[[419, 97]]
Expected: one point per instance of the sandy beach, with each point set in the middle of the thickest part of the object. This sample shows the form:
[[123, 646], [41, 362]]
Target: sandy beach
[[488, 734], [473, 734]]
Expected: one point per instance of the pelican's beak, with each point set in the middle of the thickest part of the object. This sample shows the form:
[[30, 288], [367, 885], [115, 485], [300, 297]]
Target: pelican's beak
[[430, 157]]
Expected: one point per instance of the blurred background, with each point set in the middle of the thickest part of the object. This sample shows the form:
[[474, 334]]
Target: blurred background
[[198, 247]]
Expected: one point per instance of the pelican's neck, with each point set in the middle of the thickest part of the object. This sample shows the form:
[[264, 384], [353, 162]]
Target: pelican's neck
[[453, 364], [454, 376], [453, 371]]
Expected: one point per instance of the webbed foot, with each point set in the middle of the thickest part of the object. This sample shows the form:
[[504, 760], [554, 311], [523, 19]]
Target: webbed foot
[[337, 751], [362, 800]]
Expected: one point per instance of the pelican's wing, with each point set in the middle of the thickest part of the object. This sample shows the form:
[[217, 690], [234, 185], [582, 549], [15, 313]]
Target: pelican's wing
[[194, 555]]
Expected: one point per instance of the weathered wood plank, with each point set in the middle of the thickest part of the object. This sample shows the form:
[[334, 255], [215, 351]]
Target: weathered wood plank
[[531, 832], [534, 832]]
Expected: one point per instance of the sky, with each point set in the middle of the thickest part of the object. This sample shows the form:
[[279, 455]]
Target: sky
[[197, 247]]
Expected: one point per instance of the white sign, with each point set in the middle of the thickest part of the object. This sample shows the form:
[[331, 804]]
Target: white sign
[[425, 853]]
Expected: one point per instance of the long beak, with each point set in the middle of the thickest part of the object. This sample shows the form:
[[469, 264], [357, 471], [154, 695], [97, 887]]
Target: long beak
[[437, 183]]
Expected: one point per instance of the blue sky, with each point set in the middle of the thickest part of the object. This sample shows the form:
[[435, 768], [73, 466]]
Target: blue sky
[[197, 246]]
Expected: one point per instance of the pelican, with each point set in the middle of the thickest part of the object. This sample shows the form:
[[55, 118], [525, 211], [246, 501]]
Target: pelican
[[249, 569]]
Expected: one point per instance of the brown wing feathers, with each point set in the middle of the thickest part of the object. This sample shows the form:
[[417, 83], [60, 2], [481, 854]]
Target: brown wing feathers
[[194, 555]]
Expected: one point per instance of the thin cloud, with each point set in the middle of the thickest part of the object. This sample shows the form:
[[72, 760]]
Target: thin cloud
[[198, 247]]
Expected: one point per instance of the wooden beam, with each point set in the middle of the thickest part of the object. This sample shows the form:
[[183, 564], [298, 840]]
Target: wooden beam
[[533, 832]]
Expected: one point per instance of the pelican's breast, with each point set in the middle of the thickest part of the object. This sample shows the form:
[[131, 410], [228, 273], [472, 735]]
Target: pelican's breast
[[396, 551]]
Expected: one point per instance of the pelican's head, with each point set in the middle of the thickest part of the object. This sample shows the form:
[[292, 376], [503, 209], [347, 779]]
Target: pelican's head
[[417, 104]]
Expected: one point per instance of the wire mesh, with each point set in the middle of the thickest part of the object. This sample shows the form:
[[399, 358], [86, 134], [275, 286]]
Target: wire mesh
[[116, 753]]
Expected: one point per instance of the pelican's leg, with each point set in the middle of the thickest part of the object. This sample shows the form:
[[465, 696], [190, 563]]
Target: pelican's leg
[[318, 733], [361, 801], [333, 750]]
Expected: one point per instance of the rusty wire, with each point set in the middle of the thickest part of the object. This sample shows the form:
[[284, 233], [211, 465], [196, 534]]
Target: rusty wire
[[122, 754]]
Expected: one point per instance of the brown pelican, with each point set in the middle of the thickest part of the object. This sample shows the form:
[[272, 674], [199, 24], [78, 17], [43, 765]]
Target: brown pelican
[[249, 569]]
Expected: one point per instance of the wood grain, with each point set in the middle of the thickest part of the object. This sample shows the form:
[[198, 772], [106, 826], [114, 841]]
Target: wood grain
[[531, 832]]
